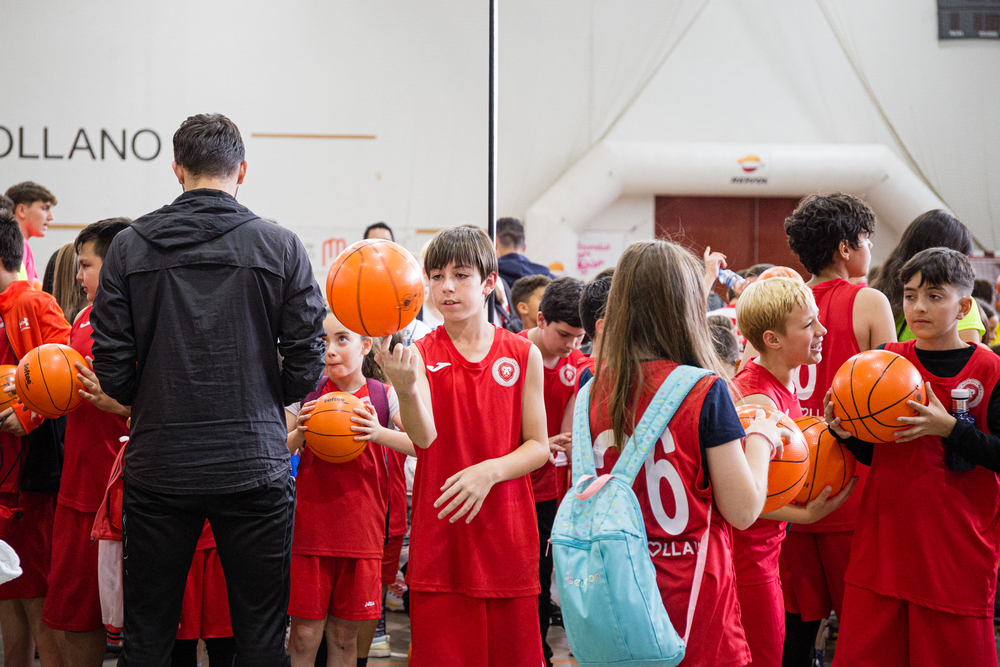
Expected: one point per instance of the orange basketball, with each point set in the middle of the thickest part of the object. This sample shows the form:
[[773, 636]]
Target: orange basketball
[[786, 474], [375, 287], [329, 433], [871, 390], [780, 272], [7, 373], [46, 380], [830, 463]]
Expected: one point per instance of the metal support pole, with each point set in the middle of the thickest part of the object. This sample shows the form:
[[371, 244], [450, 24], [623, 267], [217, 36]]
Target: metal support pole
[[491, 223]]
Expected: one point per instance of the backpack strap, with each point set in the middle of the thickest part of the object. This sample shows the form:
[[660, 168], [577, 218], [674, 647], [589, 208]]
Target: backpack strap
[[379, 396], [319, 390], [655, 419], [583, 446]]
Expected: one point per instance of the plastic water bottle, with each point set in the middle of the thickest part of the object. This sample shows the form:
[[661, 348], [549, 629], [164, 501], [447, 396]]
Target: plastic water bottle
[[960, 411], [731, 279]]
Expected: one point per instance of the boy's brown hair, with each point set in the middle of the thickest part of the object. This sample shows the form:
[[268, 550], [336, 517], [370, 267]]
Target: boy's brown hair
[[940, 267], [465, 245], [765, 305], [28, 193]]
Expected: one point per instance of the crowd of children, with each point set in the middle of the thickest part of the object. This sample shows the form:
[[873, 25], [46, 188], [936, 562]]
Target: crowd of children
[[905, 555]]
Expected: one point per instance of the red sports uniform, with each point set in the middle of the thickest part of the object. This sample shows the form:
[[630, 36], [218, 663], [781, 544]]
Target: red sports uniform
[[397, 516], [756, 549], [205, 610], [339, 533], [814, 556], [675, 518], [93, 439], [463, 576], [28, 318], [926, 545]]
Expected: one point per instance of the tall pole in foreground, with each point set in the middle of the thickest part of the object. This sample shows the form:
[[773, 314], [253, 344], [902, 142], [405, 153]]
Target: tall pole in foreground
[[492, 190]]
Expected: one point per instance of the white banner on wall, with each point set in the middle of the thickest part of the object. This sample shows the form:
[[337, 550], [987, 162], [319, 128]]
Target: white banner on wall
[[596, 251]]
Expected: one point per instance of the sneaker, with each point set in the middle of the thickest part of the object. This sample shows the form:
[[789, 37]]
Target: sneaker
[[380, 647], [555, 616]]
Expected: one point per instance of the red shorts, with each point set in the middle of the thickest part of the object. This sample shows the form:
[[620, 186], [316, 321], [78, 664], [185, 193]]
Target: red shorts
[[880, 631], [812, 567], [205, 610], [390, 560], [31, 538], [455, 629], [762, 613], [346, 588], [75, 604]]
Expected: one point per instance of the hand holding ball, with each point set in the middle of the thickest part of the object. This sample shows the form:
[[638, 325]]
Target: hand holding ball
[[870, 392], [328, 431], [787, 472]]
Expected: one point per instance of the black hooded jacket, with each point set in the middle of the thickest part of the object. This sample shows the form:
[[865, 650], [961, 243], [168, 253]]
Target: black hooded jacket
[[196, 302]]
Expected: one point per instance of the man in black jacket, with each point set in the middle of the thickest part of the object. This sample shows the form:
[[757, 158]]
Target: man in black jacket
[[207, 322]]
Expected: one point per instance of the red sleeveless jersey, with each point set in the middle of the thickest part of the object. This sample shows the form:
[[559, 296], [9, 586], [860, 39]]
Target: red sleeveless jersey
[[756, 549], [835, 301], [560, 386], [93, 439], [340, 507], [674, 491], [477, 414], [927, 534]]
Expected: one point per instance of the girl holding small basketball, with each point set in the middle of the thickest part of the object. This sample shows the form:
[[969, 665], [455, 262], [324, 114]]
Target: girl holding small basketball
[[340, 511]]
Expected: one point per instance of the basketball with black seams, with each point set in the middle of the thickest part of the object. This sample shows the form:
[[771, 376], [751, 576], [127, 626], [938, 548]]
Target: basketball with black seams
[[786, 473], [47, 382], [830, 463], [328, 430], [7, 373], [375, 287], [870, 392]]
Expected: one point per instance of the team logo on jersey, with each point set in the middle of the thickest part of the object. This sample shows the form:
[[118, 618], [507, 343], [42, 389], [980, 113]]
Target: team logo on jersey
[[23, 324], [438, 366], [976, 391], [506, 371], [567, 374]]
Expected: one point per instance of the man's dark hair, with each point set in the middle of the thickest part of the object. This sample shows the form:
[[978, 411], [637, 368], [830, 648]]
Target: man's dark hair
[[11, 242], [524, 287], [209, 145], [101, 233], [6, 203], [939, 267], [820, 222], [28, 193], [593, 303], [510, 233], [983, 290], [561, 301], [379, 225]]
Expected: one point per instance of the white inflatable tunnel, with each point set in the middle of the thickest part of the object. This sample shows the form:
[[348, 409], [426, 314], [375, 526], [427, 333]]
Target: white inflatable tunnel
[[615, 169]]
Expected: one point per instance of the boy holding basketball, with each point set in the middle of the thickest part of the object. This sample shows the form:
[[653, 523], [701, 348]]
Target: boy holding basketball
[[830, 236], [923, 567], [557, 336], [779, 318], [472, 399], [29, 318], [92, 443]]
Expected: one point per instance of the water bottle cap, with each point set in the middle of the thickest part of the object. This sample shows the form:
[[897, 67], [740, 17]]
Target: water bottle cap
[[961, 394]]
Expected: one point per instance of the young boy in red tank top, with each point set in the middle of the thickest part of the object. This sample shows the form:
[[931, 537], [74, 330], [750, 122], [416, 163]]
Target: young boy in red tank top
[[779, 318], [92, 442], [923, 569], [557, 336], [472, 400], [829, 234]]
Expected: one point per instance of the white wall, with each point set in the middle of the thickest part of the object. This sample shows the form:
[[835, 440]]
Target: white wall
[[573, 72]]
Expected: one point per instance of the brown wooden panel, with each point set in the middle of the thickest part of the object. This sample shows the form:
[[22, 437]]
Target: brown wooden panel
[[772, 246]]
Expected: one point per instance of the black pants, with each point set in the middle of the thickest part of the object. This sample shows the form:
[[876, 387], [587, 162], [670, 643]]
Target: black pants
[[253, 535], [546, 513]]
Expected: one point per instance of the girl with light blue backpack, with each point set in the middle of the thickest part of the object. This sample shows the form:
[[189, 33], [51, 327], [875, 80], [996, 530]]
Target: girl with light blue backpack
[[642, 543]]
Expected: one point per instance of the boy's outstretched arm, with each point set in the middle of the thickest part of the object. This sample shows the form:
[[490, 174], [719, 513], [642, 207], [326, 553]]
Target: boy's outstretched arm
[[407, 374], [467, 489]]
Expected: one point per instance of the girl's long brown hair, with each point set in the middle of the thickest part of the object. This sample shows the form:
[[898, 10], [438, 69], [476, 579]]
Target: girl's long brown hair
[[656, 310]]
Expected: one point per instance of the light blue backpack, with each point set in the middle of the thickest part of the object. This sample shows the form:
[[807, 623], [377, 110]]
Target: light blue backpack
[[611, 606]]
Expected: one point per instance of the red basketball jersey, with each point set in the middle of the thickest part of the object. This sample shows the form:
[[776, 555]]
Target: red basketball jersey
[[757, 548], [340, 507], [93, 439], [927, 534], [674, 493], [397, 493], [477, 413], [560, 386], [835, 301]]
